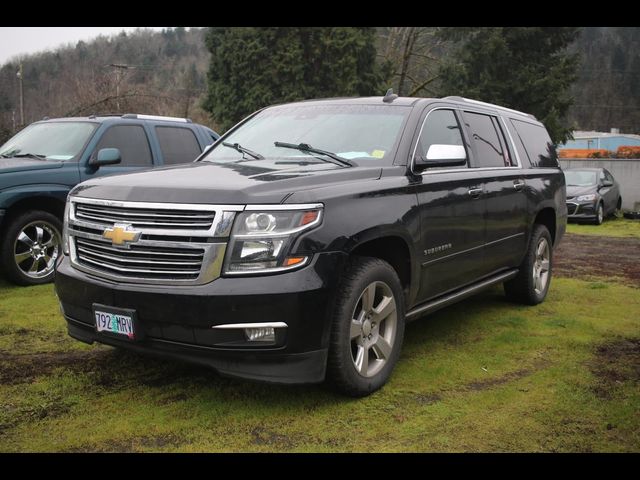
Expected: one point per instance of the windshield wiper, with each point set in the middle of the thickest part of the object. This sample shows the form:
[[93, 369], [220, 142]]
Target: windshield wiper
[[243, 150], [305, 147], [30, 155]]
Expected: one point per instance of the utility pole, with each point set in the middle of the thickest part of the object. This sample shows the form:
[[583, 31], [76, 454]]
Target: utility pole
[[119, 67], [21, 95]]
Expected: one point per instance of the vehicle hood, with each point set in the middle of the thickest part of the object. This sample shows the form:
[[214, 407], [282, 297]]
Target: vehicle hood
[[8, 165], [264, 181], [576, 191]]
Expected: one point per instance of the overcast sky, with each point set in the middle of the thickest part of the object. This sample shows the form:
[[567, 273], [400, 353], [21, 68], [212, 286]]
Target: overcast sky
[[23, 40]]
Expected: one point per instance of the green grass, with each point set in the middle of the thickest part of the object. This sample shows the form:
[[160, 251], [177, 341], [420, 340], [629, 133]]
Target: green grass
[[613, 227], [481, 376]]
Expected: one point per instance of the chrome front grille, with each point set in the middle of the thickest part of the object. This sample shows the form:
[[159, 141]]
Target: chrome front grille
[[180, 244], [152, 262], [142, 217]]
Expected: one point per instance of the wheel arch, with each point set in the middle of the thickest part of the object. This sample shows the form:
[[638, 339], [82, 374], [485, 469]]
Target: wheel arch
[[547, 217], [395, 249], [46, 202]]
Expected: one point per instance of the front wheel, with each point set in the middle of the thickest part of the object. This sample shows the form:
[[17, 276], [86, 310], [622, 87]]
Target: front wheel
[[367, 327], [599, 214], [30, 245], [531, 284]]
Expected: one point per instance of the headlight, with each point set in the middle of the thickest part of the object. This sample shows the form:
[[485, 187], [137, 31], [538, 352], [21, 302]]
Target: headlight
[[261, 239], [65, 229], [586, 198]]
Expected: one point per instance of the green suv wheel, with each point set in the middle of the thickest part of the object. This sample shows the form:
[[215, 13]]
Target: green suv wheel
[[30, 245]]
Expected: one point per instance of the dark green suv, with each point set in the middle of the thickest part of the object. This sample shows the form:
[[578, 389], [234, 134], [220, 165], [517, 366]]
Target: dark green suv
[[43, 162]]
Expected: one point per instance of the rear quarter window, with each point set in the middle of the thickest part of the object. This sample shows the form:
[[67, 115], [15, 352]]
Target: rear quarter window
[[537, 144]]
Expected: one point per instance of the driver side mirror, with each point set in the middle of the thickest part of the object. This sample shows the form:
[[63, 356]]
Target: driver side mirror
[[606, 183], [106, 156], [440, 155]]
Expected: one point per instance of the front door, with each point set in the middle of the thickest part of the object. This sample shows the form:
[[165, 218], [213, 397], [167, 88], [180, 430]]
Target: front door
[[451, 203], [133, 143]]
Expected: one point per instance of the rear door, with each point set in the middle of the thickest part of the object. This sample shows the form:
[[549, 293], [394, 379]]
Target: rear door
[[133, 143], [177, 144], [496, 166], [451, 211]]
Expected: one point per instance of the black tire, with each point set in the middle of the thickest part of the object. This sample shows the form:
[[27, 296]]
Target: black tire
[[599, 218], [522, 288], [12, 269], [342, 373], [618, 210]]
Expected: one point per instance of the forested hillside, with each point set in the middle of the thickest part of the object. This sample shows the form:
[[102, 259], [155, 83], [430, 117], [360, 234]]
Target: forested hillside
[[164, 73], [160, 73]]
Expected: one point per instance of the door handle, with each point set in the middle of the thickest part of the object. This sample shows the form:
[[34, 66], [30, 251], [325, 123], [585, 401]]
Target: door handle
[[518, 184], [475, 192]]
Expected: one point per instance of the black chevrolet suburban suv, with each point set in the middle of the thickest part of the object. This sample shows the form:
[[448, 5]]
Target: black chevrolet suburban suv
[[295, 249], [43, 162]]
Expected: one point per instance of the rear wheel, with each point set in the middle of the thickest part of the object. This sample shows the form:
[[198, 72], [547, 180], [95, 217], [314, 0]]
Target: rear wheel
[[367, 327], [531, 284], [30, 247]]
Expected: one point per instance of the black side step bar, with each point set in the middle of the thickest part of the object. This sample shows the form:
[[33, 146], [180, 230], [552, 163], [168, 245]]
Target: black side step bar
[[442, 302]]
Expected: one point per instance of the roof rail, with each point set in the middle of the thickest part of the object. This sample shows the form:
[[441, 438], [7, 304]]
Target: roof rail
[[156, 117], [478, 102]]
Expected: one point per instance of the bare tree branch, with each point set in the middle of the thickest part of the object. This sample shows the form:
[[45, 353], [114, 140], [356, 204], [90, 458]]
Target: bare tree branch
[[423, 85]]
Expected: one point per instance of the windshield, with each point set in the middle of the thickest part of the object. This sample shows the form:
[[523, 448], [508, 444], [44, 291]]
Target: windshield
[[51, 140], [580, 178], [363, 133]]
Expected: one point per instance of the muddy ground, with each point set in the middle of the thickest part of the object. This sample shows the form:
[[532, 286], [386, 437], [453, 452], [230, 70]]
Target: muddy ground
[[582, 256]]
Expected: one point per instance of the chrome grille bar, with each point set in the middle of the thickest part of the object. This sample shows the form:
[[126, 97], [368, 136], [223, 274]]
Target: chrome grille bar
[[142, 217], [146, 271], [136, 261]]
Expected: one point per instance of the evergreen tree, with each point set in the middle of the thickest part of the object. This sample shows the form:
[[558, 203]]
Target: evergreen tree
[[525, 68], [607, 92], [251, 68]]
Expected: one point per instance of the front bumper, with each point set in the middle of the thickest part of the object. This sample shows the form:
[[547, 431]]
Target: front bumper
[[581, 211], [176, 322]]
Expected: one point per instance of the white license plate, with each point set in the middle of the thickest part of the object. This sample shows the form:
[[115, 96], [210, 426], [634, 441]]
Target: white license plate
[[114, 323]]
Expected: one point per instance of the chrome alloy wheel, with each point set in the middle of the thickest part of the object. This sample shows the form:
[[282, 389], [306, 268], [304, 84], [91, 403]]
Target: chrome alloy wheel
[[36, 249], [373, 328], [541, 266]]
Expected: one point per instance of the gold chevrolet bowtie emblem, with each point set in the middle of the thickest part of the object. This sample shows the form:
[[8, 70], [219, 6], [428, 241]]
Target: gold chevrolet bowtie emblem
[[121, 235]]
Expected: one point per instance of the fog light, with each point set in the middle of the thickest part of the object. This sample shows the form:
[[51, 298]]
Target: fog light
[[266, 334]]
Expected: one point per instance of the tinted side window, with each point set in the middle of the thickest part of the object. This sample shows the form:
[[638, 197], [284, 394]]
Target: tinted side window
[[485, 134], [537, 143], [132, 142], [522, 153], [440, 128], [178, 145]]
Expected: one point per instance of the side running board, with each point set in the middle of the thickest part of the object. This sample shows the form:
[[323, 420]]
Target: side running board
[[446, 300]]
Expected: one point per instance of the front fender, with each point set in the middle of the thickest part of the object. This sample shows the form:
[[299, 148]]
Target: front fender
[[13, 195]]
